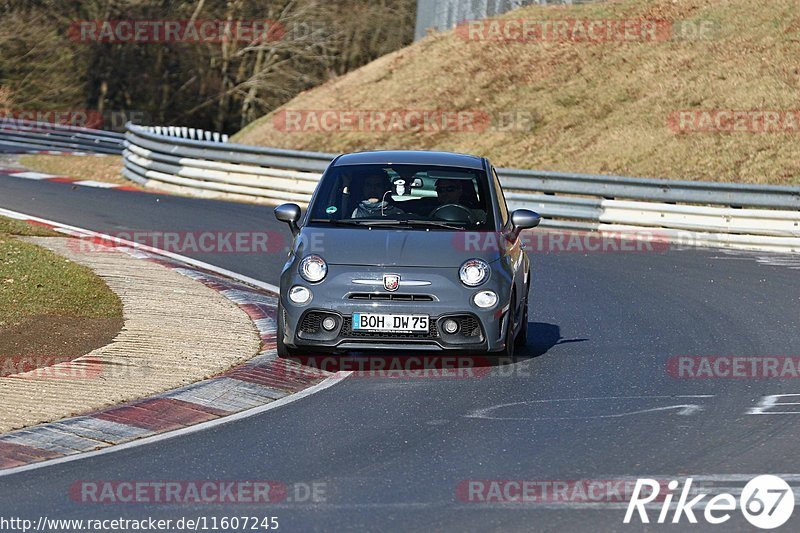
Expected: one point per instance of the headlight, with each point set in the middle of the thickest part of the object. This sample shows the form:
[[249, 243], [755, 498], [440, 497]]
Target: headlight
[[485, 299], [299, 295], [313, 268], [474, 272]]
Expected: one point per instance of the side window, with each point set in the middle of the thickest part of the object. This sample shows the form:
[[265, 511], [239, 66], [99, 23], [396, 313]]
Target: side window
[[501, 200]]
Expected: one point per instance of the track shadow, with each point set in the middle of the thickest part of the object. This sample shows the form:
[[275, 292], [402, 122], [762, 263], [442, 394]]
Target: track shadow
[[541, 337]]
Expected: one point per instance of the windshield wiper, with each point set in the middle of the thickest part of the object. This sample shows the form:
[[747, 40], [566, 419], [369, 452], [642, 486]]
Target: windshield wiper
[[359, 221], [388, 222], [434, 223]]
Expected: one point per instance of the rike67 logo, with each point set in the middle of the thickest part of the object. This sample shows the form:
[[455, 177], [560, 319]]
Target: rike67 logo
[[766, 502]]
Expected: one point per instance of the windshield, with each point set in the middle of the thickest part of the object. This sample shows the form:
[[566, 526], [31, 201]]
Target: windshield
[[445, 198]]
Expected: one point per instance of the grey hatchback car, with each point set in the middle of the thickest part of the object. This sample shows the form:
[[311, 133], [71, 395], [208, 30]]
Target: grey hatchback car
[[410, 250]]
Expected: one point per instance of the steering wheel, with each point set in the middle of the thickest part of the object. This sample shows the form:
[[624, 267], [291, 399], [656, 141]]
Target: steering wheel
[[453, 213]]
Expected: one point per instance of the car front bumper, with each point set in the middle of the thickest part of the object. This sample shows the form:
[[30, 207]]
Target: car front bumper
[[435, 292]]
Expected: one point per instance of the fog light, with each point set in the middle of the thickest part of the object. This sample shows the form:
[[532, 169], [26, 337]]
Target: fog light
[[329, 323], [485, 299], [299, 295], [450, 326]]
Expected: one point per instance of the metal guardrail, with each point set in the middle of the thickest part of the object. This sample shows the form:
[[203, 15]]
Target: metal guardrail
[[188, 133], [27, 136], [203, 163], [221, 169], [735, 215], [649, 189]]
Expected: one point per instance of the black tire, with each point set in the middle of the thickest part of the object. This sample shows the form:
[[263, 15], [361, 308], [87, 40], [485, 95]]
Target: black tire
[[508, 352], [522, 336], [282, 349]]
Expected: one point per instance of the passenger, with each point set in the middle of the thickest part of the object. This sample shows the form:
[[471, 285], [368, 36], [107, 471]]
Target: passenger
[[375, 190]]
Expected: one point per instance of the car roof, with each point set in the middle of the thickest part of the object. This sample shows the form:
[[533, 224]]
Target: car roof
[[411, 157]]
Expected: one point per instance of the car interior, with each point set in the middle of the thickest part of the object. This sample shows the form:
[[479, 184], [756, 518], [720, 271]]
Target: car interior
[[413, 190]]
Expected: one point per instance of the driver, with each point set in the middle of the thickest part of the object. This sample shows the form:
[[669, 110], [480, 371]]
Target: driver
[[375, 204], [449, 191]]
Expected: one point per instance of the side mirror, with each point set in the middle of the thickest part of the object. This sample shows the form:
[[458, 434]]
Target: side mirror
[[524, 219], [289, 213]]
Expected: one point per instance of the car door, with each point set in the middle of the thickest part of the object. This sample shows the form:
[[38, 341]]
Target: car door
[[514, 255]]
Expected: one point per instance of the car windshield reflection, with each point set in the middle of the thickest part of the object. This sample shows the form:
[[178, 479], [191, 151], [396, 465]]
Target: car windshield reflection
[[432, 197]]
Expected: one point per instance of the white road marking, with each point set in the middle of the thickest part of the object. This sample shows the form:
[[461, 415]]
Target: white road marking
[[684, 409], [76, 231], [32, 175], [329, 382], [99, 184], [768, 402], [791, 261]]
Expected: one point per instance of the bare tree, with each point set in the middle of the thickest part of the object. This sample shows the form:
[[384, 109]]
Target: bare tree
[[222, 85]]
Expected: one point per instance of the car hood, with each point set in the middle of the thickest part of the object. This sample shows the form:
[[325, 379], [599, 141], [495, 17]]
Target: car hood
[[397, 247]]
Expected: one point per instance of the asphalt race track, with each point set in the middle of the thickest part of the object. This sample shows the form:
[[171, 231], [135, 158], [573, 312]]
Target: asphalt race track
[[590, 399]]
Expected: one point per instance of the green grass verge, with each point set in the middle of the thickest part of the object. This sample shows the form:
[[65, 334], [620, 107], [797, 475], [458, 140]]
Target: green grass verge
[[37, 282], [10, 226]]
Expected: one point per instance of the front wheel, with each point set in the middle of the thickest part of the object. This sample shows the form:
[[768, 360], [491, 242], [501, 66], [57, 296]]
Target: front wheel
[[508, 351], [283, 350], [522, 336]]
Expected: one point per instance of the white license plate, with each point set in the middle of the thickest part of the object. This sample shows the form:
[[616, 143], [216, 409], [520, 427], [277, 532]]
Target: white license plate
[[394, 323]]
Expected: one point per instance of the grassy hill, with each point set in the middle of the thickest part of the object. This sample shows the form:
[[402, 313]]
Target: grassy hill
[[598, 107]]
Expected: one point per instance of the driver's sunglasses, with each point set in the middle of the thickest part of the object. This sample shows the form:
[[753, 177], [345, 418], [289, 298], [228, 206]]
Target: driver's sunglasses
[[449, 188]]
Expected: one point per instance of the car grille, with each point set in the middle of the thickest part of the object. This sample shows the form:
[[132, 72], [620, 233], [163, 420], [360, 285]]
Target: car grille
[[391, 297], [470, 327], [347, 331], [311, 323]]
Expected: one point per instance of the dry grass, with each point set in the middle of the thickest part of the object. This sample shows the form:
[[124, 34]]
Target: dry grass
[[5, 97], [598, 108], [106, 168]]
